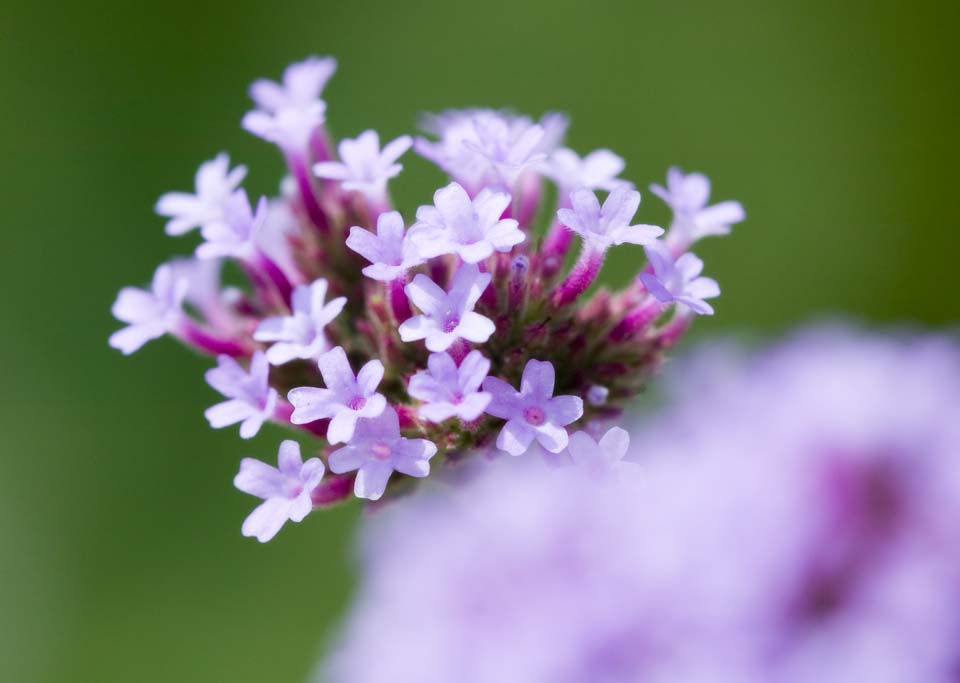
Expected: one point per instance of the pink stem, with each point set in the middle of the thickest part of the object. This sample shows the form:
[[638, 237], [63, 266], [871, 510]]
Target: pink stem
[[190, 333], [636, 320], [274, 274], [301, 174], [399, 303], [459, 351], [333, 489], [580, 278], [555, 248]]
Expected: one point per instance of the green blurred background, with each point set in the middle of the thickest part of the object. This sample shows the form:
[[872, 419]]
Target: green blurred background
[[834, 123]]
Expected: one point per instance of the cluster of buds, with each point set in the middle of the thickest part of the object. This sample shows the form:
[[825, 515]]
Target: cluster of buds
[[395, 346]]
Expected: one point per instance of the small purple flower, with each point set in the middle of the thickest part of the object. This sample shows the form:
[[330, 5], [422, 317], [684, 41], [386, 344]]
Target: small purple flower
[[679, 281], [448, 391], [285, 490], [377, 450], [236, 234], [363, 167], [602, 228], [597, 395], [346, 399], [607, 453], [149, 314], [533, 412], [447, 317], [472, 229], [303, 83], [301, 335], [687, 195], [289, 127], [214, 183], [251, 400], [596, 171], [389, 253]]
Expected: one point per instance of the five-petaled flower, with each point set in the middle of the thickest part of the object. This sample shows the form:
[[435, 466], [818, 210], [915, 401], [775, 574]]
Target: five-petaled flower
[[346, 399], [533, 412], [471, 229], [448, 391], [596, 171], [377, 450], [214, 184], [605, 454], [149, 314], [251, 400], [303, 83], [285, 490], [679, 281], [363, 166], [301, 334], [602, 228], [448, 316], [687, 195], [390, 252]]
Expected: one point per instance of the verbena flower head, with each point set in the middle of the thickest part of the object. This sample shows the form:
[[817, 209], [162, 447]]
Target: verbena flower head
[[794, 518], [460, 318]]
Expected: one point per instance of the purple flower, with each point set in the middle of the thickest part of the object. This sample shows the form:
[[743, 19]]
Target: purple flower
[[597, 395], [285, 490], [448, 391], [607, 453], [363, 167], [149, 314], [289, 127], [533, 412], [205, 292], [604, 227], [472, 229], [251, 400], [236, 234], [301, 334], [596, 171], [346, 399], [679, 281], [446, 317], [389, 253], [303, 83], [687, 195], [377, 450], [215, 182], [478, 147]]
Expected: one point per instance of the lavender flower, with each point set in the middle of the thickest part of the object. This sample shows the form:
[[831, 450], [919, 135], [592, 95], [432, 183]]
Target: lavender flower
[[389, 252], [346, 399], [251, 399], [301, 335], [149, 314], [679, 281], [596, 171], [471, 271], [363, 167], [377, 450], [303, 83], [448, 391], [602, 228], [471, 229], [285, 490], [214, 183], [236, 234], [533, 412], [606, 453], [448, 316], [693, 220], [796, 520]]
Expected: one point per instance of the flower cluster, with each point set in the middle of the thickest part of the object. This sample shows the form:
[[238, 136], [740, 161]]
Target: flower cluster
[[796, 519], [400, 344]]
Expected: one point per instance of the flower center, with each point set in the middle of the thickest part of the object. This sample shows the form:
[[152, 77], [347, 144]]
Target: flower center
[[534, 415], [451, 323], [457, 398], [357, 403], [381, 450]]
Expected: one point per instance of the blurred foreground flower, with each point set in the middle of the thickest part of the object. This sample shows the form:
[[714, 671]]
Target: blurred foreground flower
[[795, 518], [475, 293]]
